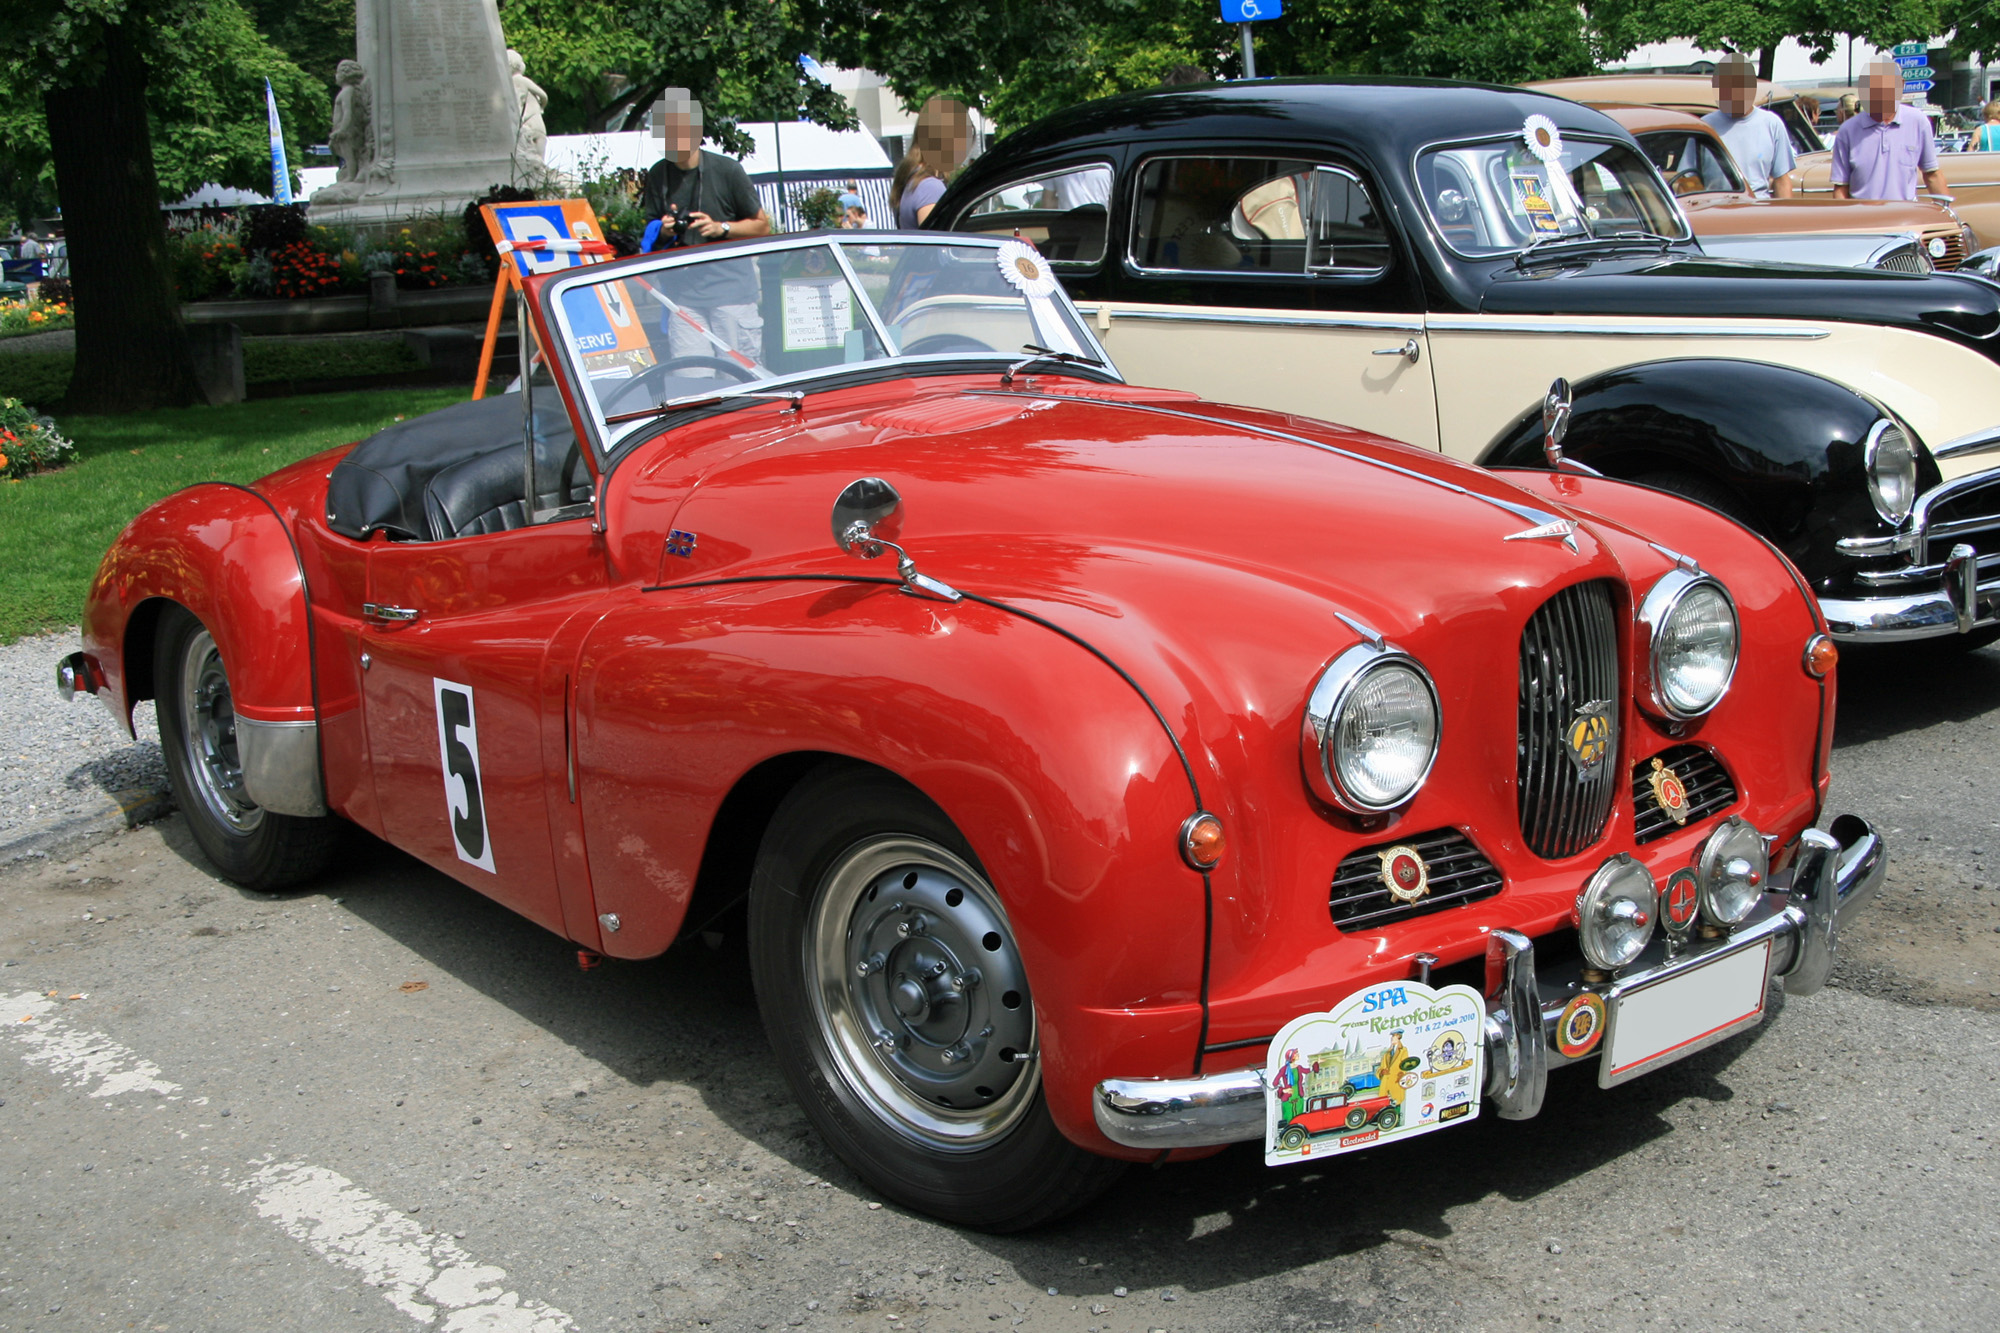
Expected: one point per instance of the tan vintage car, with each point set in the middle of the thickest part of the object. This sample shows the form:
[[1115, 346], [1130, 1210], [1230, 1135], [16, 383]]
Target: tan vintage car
[[1728, 220], [1974, 177]]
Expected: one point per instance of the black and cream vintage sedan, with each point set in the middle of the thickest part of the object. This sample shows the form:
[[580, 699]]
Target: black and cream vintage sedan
[[1422, 259]]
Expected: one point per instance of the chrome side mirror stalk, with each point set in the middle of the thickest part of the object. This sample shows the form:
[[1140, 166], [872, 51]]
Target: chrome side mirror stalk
[[864, 517]]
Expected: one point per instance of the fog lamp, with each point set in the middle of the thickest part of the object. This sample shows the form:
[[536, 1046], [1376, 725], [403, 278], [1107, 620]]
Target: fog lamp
[[1732, 869], [1615, 913]]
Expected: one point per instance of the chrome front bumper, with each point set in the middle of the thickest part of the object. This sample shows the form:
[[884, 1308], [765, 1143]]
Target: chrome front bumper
[[1942, 588], [1831, 877]]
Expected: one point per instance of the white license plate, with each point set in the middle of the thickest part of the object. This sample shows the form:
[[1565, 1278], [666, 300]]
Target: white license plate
[[1679, 1015]]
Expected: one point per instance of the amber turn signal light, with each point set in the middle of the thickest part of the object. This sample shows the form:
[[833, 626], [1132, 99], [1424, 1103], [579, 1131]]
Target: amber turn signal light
[[1821, 654], [1202, 840]]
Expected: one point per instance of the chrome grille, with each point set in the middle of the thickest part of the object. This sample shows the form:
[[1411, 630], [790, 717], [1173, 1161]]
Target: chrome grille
[[1459, 873], [1905, 259], [1954, 249], [1970, 515], [1569, 659], [1709, 790]]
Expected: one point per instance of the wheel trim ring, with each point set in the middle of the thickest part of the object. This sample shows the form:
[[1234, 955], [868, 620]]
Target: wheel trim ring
[[213, 771], [842, 1023]]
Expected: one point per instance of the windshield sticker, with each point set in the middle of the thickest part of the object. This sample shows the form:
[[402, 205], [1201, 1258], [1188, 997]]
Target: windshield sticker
[[818, 313], [1531, 198], [1389, 1062]]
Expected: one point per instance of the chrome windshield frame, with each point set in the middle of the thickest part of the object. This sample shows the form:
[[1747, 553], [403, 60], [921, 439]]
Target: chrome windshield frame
[[1436, 227], [590, 418]]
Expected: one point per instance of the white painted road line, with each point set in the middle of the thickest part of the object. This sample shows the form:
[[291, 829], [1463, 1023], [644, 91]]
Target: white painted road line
[[426, 1276]]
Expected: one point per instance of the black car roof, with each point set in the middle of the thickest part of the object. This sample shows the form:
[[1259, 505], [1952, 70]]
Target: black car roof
[[1395, 116]]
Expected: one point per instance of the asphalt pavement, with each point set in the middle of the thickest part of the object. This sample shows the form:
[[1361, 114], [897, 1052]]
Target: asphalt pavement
[[387, 1103]]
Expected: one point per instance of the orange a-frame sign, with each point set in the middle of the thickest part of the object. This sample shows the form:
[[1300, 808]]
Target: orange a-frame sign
[[536, 236]]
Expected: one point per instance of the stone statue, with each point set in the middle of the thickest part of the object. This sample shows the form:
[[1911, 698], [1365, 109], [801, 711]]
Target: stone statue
[[353, 135], [532, 140]]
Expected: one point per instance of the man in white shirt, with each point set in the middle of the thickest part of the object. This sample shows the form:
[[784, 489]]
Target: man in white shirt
[[1756, 137]]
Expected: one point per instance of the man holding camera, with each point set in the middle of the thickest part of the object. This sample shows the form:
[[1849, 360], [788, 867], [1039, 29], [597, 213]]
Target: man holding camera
[[693, 197]]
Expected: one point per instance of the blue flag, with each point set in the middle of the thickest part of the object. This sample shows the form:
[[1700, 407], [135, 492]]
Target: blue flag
[[281, 171]]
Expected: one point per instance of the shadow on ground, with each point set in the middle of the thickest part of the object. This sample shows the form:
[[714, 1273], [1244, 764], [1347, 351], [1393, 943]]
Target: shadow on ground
[[1888, 690]]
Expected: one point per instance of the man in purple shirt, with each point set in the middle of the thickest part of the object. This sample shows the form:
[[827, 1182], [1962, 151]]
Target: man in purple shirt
[[1880, 153]]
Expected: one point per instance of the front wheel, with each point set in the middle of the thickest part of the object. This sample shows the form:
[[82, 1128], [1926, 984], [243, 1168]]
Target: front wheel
[[892, 989], [253, 846], [1391, 1117]]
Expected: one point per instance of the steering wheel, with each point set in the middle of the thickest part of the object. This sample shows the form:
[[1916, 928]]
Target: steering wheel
[[941, 344], [651, 378], [1689, 182]]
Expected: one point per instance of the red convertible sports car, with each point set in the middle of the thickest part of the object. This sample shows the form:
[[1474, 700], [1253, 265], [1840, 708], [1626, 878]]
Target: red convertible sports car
[[1065, 740]]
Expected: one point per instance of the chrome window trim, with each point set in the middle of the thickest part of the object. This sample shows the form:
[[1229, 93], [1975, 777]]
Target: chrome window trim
[[1655, 609], [1580, 136], [1388, 238], [1324, 703], [1298, 319], [1352, 276], [1069, 265], [1574, 327]]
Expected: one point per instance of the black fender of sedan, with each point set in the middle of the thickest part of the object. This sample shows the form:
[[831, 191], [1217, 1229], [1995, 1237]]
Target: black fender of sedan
[[1776, 448]]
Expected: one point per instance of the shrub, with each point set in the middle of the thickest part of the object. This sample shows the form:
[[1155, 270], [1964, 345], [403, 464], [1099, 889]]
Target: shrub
[[818, 208], [29, 443], [55, 291], [268, 227], [300, 270], [37, 316]]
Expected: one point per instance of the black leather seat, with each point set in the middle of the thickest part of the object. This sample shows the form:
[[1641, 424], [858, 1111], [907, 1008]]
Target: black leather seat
[[484, 494]]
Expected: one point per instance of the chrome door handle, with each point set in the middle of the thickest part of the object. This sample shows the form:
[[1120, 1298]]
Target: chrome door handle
[[395, 615], [1409, 350]]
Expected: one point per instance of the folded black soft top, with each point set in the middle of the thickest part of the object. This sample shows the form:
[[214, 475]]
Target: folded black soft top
[[380, 484]]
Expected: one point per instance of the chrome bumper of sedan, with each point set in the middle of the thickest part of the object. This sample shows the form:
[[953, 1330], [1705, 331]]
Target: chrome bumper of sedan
[[1927, 597], [1831, 877]]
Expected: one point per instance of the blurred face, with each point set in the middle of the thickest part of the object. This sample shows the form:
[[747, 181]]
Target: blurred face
[[1884, 86], [1735, 87], [944, 133], [677, 124]]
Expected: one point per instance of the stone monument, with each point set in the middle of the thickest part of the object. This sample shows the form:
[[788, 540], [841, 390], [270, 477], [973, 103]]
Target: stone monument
[[431, 119]]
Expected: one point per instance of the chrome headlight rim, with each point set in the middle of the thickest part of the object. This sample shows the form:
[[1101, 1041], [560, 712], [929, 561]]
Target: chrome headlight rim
[[1712, 875], [1326, 702], [1593, 922], [1656, 610], [1871, 453]]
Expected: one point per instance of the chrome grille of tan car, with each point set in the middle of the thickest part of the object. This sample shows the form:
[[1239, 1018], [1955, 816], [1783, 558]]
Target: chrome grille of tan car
[[1708, 790], [1457, 872], [1569, 662], [1954, 249]]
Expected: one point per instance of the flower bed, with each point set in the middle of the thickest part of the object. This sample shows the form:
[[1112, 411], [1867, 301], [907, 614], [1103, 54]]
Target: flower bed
[[37, 316], [29, 443]]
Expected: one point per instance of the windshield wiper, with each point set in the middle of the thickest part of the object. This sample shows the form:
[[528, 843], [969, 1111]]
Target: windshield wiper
[[1609, 238], [1046, 354], [795, 397]]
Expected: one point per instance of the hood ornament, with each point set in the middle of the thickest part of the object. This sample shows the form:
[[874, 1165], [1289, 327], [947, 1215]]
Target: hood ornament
[[1559, 529]]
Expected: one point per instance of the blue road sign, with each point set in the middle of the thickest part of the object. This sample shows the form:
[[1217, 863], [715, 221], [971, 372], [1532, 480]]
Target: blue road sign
[[1252, 11], [1917, 85], [1909, 49], [1914, 62]]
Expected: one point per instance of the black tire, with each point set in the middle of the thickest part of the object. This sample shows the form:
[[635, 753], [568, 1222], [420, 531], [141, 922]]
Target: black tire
[[1291, 1137], [1356, 1118], [248, 844], [1391, 1117], [851, 856], [1693, 486]]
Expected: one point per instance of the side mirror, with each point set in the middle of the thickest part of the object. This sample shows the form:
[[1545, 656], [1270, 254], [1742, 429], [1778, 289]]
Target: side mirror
[[1556, 410], [863, 513]]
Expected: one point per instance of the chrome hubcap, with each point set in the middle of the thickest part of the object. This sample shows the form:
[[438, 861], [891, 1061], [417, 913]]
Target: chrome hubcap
[[208, 732], [920, 991]]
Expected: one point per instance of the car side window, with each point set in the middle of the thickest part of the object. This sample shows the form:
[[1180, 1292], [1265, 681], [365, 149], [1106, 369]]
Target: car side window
[[1063, 215], [1691, 163], [1236, 215]]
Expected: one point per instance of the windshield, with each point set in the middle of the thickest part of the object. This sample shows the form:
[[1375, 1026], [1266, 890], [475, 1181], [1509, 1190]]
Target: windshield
[[780, 316], [1497, 197]]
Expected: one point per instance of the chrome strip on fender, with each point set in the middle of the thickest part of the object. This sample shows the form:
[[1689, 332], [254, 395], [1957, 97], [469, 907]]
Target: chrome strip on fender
[[1473, 324], [1299, 319]]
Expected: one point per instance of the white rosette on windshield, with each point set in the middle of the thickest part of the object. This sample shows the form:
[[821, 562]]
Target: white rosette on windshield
[[1028, 273], [1545, 144]]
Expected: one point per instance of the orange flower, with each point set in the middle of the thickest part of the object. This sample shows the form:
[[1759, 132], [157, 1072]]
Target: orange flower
[[3, 462]]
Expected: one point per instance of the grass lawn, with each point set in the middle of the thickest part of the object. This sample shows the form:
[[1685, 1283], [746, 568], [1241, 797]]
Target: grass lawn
[[54, 527], [41, 378]]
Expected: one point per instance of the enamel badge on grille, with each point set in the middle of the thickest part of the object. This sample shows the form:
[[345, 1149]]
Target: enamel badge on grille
[[1588, 736], [1678, 901], [1669, 792], [1405, 872]]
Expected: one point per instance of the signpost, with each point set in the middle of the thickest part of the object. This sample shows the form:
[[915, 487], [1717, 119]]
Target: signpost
[[1243, 13]]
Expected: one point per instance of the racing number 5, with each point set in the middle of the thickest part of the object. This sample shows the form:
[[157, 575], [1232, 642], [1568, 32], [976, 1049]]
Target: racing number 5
[[458, 747]]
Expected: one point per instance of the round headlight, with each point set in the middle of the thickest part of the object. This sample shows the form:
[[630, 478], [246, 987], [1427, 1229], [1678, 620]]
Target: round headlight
[[1615, 913], [1371, 730], [1689, 625], [1732, 868], [1892, 471]]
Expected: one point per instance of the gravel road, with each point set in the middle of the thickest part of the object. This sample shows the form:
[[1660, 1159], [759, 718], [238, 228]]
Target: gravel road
[[388, 1104]]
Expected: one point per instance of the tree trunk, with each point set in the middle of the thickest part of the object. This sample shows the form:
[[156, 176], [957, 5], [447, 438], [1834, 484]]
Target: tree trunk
[[1767, 60], [131, 349]]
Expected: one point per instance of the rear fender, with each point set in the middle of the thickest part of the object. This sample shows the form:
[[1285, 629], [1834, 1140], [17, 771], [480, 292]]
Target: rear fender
[[222, 552]]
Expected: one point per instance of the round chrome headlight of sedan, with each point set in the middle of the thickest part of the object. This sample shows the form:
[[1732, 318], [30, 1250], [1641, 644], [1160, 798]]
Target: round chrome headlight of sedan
[[1689, 635], [1891, 460], [1615, 913], [1371, 730], [1731, 871]]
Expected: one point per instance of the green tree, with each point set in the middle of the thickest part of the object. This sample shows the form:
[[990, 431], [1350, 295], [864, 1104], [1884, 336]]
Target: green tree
[[1756, 27]]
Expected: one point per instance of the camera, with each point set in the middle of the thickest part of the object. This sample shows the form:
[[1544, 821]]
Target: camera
[[673, 228]]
